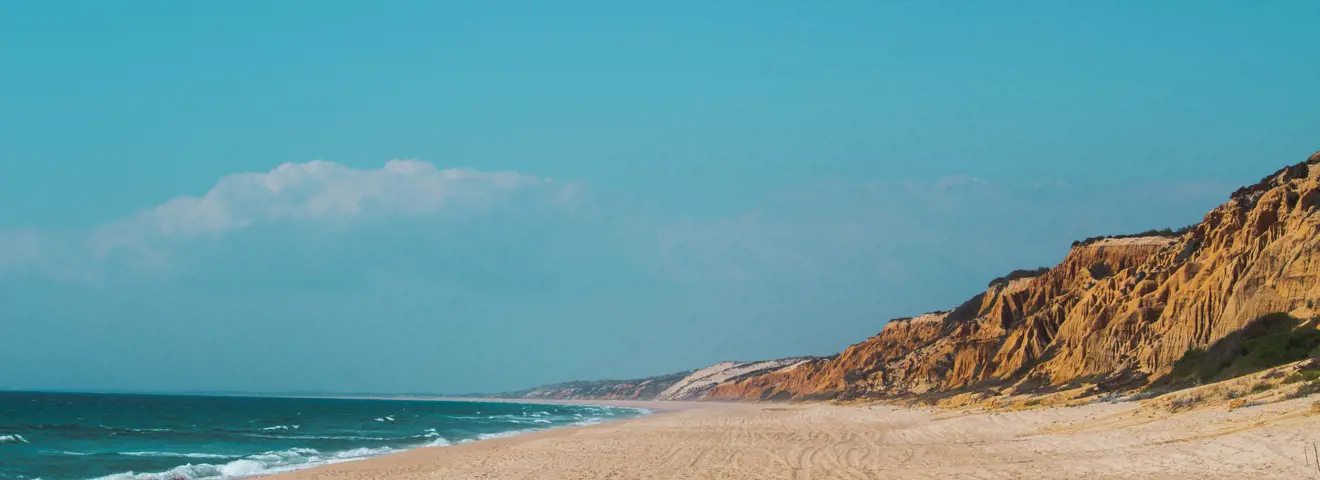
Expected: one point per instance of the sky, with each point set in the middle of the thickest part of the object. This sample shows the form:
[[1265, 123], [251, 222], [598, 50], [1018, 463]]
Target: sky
[[465, 197]]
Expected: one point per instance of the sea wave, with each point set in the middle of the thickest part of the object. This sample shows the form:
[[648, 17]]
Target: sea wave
[[253, 465], [436, 439], [179, 455], [283, 427], [58, 427], [313, 437], [511, 433], [15, 438]]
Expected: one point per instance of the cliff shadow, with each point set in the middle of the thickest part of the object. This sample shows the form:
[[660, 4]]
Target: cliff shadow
[[1269, 341]]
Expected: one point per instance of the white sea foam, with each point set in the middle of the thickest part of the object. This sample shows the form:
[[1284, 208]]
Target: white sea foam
[[15, 438], [437, 439], [312, 437], [385, 419], [511, 433], [283, 427], [252, 465], [363, 453], [290, 456], [179, 455]]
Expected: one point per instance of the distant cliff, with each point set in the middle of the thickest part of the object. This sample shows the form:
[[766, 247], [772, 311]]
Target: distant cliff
[[1117, 313], [690, 385], [638, 389]]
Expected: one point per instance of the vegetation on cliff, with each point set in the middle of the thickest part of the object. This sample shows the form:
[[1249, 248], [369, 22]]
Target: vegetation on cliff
[[1018, 275], [1163, 232], [1269, 341]]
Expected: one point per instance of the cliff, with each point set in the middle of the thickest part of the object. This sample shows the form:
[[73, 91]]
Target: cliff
[[1115, 313], [691, 385], [638, 389]]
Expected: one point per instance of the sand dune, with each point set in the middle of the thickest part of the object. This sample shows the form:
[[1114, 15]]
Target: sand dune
[[768, 441]]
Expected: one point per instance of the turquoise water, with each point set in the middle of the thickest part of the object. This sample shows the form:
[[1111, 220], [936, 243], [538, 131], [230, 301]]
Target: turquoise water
[[60, 436]]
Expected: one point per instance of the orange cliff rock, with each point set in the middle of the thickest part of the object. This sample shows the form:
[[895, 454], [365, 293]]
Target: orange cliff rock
[[1114, 313]]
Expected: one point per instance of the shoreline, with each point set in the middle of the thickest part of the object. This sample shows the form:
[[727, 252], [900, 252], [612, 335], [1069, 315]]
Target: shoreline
[[356, 468], [806, 441], [653, 408], [650, 408]]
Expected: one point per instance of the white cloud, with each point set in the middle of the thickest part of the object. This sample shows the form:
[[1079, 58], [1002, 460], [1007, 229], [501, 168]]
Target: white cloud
[[316, 191], [326, 190]]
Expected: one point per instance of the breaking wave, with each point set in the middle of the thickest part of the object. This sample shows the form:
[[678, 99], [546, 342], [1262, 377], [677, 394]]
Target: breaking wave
[[179, 455], [283, 427], [251, 465]]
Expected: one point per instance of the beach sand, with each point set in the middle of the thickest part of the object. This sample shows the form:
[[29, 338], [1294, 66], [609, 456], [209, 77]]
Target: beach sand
[[815, 441]]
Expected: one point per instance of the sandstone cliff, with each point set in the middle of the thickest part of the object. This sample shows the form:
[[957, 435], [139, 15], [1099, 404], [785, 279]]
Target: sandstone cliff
[[1115, 313], [698, 383]]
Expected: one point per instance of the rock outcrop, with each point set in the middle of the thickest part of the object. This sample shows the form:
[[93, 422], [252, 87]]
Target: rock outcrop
[[1114, 313]]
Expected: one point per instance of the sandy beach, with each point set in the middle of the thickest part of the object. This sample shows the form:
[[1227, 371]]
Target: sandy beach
[[816, 441]]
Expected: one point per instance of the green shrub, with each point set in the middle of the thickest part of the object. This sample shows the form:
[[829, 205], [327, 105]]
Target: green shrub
[[1261, 387], [1303, 376], [1305, 389], [1165, 232], [1016, 274], [1197, 366], [1276, 349], [1266, 342]]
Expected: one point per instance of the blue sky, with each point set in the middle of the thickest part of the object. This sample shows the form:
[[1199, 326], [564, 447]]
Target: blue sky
[[435, 196]]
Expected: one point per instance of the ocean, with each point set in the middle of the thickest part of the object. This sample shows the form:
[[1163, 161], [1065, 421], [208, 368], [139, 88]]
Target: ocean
[[64, 436]]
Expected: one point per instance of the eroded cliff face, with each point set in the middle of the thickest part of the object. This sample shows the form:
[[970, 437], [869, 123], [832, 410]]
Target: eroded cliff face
[[1114, 313]]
